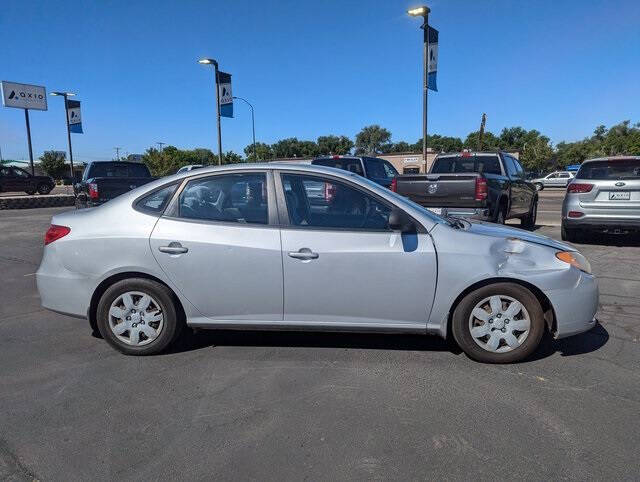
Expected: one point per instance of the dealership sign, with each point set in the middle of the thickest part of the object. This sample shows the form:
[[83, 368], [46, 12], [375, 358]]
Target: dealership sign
[[24, 96]]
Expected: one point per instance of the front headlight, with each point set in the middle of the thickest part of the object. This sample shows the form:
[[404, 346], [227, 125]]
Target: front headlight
[[574, 259]]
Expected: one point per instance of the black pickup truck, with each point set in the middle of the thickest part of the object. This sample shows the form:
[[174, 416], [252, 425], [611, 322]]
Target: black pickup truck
[[489, 186], [102, 181]]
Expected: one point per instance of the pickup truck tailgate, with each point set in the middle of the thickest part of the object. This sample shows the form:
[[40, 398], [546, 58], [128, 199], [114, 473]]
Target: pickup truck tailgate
[[440, 190], [111, 188]]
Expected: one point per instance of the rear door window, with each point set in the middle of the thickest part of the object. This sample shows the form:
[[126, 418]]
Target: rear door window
[[610, 170], [485, 164]]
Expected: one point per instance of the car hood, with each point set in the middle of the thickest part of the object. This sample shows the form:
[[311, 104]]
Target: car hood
[[501, 231]]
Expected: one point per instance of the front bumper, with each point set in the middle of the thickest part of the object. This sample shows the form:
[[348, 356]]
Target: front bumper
[[575, 307]]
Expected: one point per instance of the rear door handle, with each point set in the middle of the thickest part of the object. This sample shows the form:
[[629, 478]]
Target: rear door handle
[[173, 248], [304, 254]]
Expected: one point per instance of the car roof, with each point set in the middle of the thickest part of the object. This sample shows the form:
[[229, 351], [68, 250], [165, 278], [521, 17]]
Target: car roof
[[613, 158], [273, 166]]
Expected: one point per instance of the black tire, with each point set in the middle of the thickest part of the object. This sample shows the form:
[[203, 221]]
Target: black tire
[[44, 189], [172, 324], [462, 334], [539, 186], [529, 221], [30, 192], [501, 214], [572, 235]]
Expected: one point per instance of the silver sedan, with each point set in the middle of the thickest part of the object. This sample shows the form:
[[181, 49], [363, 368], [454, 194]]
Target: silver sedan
[[262, 247]]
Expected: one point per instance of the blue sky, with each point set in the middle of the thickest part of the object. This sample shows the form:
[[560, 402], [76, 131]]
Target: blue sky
[[313, 68]]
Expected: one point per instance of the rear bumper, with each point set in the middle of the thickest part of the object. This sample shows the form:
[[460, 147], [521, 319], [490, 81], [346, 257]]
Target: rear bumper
[[61, 290]]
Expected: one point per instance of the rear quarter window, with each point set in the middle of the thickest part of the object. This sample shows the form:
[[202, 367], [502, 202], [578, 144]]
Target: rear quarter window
[[156, 201]]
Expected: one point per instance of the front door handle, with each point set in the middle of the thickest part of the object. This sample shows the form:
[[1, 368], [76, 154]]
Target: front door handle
[[304, 254], [173, 248]]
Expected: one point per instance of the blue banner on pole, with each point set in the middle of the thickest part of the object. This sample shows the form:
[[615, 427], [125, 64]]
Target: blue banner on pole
[[226, 97], [74, 117], [432, 60]]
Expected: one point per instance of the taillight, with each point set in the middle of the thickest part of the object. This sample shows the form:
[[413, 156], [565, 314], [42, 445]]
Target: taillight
[[394, 184], [93, 191], [481, 189], [577, 187], [329, 191], [55, 232], [575, 214]]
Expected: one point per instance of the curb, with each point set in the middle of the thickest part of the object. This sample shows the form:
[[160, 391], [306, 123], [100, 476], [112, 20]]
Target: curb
[[30, 202]]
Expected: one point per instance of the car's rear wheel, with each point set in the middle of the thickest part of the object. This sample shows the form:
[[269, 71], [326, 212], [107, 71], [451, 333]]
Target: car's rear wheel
[[529, 221], [499, 323], [44, 189], [138, 317]]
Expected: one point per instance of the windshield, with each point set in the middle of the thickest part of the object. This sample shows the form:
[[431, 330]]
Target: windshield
[[610, 170], [484, 164], [112, 169]]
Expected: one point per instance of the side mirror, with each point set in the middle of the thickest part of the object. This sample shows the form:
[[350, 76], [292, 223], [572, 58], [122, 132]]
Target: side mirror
[[400, 221]]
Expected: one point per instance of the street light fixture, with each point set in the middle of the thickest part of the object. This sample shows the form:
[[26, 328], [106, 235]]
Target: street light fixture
[[253, 126], [66, 119], [213, 62], [423, 11]]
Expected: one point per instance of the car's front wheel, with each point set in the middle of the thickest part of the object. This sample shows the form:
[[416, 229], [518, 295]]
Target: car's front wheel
[[44, 189], [499, 323], [138, 317], [539, 186]]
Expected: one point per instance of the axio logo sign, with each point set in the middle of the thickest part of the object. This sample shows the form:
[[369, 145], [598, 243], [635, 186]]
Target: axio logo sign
[[24, 96]]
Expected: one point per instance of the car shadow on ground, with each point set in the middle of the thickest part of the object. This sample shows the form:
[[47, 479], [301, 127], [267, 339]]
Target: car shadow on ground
[[588, 342], [616, 240], [199, 339]]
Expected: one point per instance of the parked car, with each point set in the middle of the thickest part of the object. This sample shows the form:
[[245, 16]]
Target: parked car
[[241, 247], [188, 168], [378, 170], [554, 179], [489, 186], [604, 196], [16, 179], [103, 181]]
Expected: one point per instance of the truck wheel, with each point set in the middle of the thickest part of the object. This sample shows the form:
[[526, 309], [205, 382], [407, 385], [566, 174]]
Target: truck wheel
[[529, 221], [498, 323], [500, 214]]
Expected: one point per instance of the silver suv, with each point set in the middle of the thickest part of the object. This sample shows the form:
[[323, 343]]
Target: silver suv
[[604, 196]]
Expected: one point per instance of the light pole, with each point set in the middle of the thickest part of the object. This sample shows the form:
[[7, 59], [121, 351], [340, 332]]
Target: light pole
[[117, 149], [66, 119], [423, 12], [253, 126], [215, 70]]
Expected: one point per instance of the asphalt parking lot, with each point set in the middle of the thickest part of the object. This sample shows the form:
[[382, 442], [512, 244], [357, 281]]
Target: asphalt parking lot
[[293, 406]]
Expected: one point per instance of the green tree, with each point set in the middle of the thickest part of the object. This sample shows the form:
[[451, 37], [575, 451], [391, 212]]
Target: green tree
[[489, 141], [337, 145], [170, 159], [263, 152], [371, 139], [231, 157], [52, 163]]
